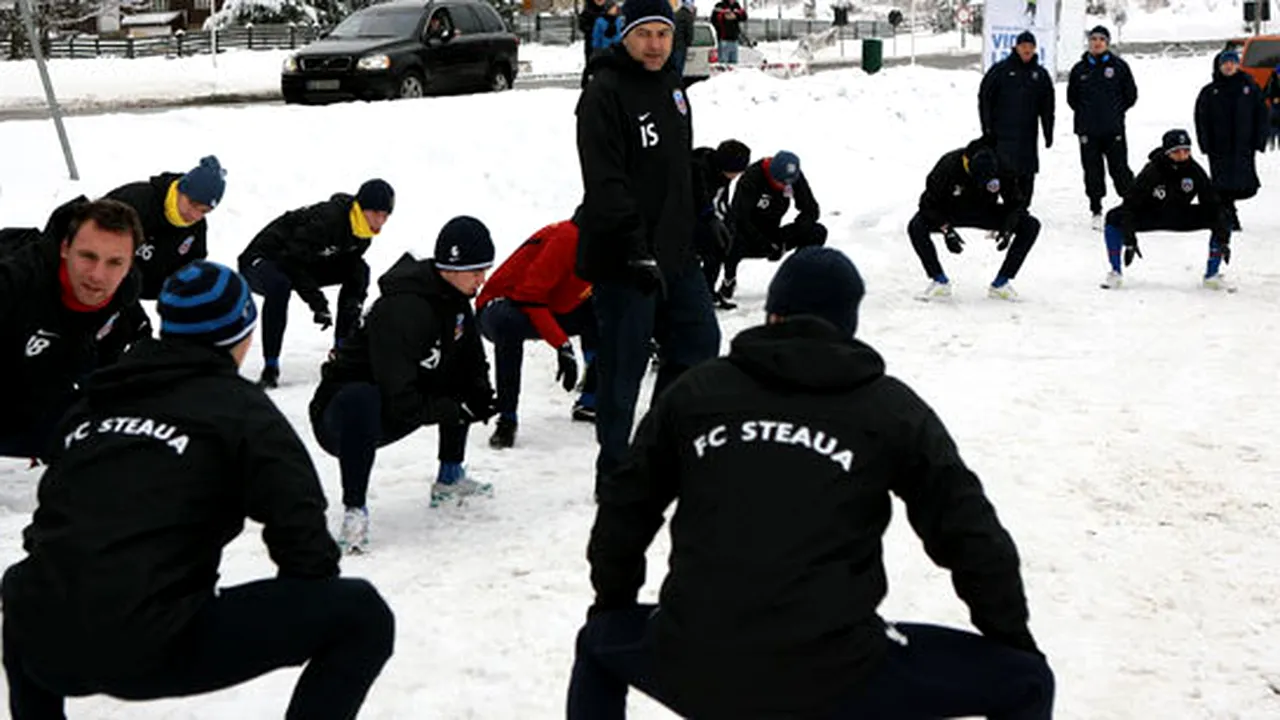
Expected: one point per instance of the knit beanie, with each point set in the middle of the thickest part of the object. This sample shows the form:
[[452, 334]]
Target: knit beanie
[[376, 195], [205, 182], [784, 167], [1176, 139], [1026, 36], [638, 12], [819, 281], [1101, 31], [464, 244], [983, 166], [208, 303], [1229, 56], [731, 156]]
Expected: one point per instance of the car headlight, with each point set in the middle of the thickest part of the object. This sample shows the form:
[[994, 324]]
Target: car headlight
[[290, 64], [374, 62]]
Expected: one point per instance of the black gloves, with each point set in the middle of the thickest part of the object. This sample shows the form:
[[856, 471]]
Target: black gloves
[[567, 367], [479, 407], [954, 242], [1130, 248], [1224, 246], [323, 318], [646, 277]]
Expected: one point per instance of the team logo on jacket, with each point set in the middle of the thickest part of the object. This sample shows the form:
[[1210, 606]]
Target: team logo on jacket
[[681, 105], [993, 185], [1109, 73], [1188, 185], [1246, 89], [106, 327], [1158, 193], [458, 326], [185, 247]]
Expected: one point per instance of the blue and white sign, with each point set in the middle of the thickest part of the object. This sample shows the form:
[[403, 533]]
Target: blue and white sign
[[1006, 19]]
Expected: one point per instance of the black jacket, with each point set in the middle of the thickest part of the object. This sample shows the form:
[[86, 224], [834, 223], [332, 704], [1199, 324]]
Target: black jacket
[[1232, 124], [309, 243], [951, 193], [684, 29], [166, 247], [162, 461], [1013, 97], [1101, 90], [587, 22], [46, 349], [1163, 184], [634, 146], [710, 186], [759, 205], [418, 344], [782, 458], [729, 27]]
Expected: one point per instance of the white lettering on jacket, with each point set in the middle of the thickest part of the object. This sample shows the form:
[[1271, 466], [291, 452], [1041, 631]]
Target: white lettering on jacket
[[132, 426], [779, 432]]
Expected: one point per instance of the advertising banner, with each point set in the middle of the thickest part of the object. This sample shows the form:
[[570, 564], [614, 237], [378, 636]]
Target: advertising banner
[[1004, 20]]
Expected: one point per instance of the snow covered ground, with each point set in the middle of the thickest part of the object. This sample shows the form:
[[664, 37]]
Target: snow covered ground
[[1127, 438]]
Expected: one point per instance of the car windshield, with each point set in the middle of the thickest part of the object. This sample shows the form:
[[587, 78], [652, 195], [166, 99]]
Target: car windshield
[[1263, 54], [379, 24]]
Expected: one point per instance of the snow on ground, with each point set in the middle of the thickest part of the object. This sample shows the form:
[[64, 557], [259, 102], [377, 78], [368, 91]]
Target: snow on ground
[[1127, 438]]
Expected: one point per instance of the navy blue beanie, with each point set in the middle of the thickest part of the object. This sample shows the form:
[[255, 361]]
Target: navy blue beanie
[[819, 281], [205, 182], [1176, 139], [639, 12], [1100, 31], [1026, 36], [983, 166], [464, 244], [784, 167], [208, 303], [376, 195]]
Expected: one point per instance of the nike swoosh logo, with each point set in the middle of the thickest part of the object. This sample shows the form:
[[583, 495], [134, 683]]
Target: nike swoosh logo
[[47, 334], [645, 116]]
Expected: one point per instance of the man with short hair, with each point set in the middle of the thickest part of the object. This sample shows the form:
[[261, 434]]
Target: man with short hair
[[1015, 96], [68, 305], [153, 474], [1101, 90], [770, 606], [172, 209], [310, 248], [636, 226]]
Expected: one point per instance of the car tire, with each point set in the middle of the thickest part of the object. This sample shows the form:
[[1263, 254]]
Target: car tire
[[411, 85], [499, 78]]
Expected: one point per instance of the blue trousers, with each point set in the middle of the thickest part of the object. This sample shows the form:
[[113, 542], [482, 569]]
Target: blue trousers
[[505, 325], [939, 673], [683, 321], [266, 278]]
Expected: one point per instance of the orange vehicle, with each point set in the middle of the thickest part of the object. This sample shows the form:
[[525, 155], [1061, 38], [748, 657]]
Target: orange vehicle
[[1259, 56]]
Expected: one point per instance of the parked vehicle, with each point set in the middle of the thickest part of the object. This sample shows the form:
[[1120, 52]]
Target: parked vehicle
[[703, 53], [405, 49], [1259, 56]]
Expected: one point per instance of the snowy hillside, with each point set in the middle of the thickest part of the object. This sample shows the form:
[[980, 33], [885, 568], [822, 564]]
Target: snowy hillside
[[1127, 438]]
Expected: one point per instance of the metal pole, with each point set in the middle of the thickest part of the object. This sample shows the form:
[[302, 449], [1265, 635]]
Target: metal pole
[[913, 32], [29, 15], [213, 33]]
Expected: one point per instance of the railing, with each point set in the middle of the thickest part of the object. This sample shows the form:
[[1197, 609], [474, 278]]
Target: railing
[[563, 29]]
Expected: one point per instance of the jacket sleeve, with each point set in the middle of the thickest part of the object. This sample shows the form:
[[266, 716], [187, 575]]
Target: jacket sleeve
[[533, 293], [398, 331], [1205, 193], [1047, 108], [1128, 87], [200, 246], [140, 196], [1261, 121], [132, 325], [934, 205], [988, 91], [806, 203], [742, 211], [282, 492], [950, 513], [608, 204], [475, 363], [1073, 88], [1142, 186], [1203, 131], [630, 504], [599, 30]]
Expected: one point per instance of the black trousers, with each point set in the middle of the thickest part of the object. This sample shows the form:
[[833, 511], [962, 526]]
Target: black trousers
[[340, 628], [938, 672], [350, 429], [1114, 152], [1174, 218], [267, 279], [1024, 236], [507, 326], [789, 237]]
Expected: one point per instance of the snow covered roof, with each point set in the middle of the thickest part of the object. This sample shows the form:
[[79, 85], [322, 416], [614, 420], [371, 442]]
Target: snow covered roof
[[153, 18]]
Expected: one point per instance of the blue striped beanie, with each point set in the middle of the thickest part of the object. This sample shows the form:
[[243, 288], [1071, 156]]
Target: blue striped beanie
[[208, 303]]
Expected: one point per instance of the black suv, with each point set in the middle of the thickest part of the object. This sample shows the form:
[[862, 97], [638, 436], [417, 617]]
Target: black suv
[[405, 49]]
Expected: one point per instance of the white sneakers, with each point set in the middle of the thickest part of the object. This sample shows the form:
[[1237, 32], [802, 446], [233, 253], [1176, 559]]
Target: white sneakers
[[942, 291], [458, 491], [354, 538]]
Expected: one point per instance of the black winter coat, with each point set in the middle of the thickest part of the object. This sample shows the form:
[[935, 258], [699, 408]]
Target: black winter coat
[[729, 19], [1101, 90], [759, 205], [1163, 185], [710, 186], [418, 345], [47, 350], [684, 29], [310, 242], [156, 471], [1013, 98], [1232, 124], [950, 192], [770, 607], [166, 247], [634, 146]]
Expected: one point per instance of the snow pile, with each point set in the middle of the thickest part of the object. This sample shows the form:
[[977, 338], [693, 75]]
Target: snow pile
[[1127, 438]]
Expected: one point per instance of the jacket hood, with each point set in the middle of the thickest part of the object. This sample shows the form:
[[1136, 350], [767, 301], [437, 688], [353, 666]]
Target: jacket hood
[[416, 277], [162, 182], [806, 354], [342, 198], [153, 366]]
